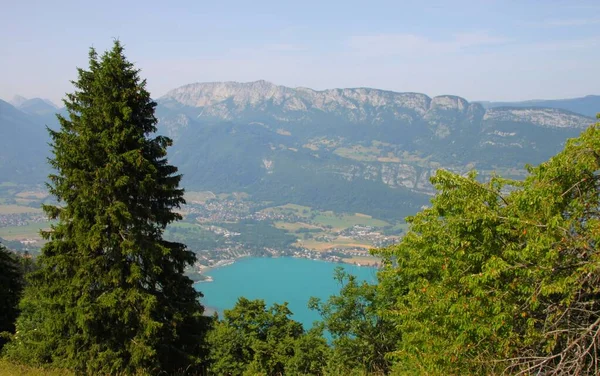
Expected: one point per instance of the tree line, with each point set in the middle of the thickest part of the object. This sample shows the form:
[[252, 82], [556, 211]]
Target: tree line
[[496, 277]]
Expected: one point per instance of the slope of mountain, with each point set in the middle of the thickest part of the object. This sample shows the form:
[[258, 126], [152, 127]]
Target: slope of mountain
[[357, 149], [349, 150], [23, 146], [38, 106], [17, 100], [588, 105]]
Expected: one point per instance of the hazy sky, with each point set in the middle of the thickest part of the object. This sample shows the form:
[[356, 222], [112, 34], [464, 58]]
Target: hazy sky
[[481, 50]]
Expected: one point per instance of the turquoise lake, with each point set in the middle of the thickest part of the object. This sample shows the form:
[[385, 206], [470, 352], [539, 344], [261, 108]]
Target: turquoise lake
[[277, 280]]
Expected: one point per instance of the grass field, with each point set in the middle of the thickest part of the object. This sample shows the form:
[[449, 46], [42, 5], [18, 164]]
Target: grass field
[[38, 195], [294, 227], [311, 147], [343, 221], [359, 153], [336, 243], [181, 224], [375, 153], [30, 231], [199, 197], [389, 159], [327, 218], [328, 222], [11, 369], [291, 209], [18, 209], [316, 143]]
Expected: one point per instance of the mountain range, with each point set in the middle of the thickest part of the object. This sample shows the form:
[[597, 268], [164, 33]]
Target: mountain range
[[588, 105], [358, 150]]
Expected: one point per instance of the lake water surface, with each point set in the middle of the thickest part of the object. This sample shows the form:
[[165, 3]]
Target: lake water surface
[[277, 280]]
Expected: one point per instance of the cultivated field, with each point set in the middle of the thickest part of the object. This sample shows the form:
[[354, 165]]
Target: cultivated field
[[18, 209], [29, 231]]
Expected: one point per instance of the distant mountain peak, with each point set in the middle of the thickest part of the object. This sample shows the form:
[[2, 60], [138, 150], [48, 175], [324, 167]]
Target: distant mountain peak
[[38, 106], [264, 101], [227, 85], [24, 104], [48, 101], [229, 100], [17, 100], [230, 89], [588, 105]]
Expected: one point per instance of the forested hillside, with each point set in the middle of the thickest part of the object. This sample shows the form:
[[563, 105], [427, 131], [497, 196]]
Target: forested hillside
[[302, 146], [494, 276]]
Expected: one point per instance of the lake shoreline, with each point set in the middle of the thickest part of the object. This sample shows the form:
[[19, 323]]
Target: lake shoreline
[[205, 270]]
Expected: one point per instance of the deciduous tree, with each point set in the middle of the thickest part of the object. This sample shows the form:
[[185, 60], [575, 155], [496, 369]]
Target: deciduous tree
[[253, 339], [362, 336], [503, 276]]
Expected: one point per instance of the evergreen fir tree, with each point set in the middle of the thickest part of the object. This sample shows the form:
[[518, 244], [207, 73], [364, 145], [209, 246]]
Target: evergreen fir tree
[[110, 296], [11, 285]]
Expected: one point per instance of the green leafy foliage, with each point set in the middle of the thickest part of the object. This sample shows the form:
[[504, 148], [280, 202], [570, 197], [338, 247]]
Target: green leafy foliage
[[502, 276], [361, 336], [494, 277], [110, 295], [255, 340]]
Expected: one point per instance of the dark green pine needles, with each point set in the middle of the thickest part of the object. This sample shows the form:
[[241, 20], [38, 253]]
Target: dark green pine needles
[[11, 285], [110, 296]]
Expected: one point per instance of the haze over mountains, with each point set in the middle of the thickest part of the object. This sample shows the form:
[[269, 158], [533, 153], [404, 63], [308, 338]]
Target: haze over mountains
[[361, 149], [587, 105], [23, 146], [36, 106]]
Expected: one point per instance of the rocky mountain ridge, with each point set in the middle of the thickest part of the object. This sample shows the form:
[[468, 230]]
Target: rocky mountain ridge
[[348, 150], [35, 106], [587, 106], [233, 100], [291, 142]]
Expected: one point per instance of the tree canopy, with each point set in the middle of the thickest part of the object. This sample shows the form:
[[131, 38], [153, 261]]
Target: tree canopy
[[494, 277], [110, 295], [11, 285], [503, 276], [361, 336], [255, 340]]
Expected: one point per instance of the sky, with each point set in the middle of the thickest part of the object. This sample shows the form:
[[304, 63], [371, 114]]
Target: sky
[[480, 50]]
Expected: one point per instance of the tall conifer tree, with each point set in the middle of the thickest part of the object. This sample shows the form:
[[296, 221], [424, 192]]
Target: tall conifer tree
[[111, 295], [11, 285]]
